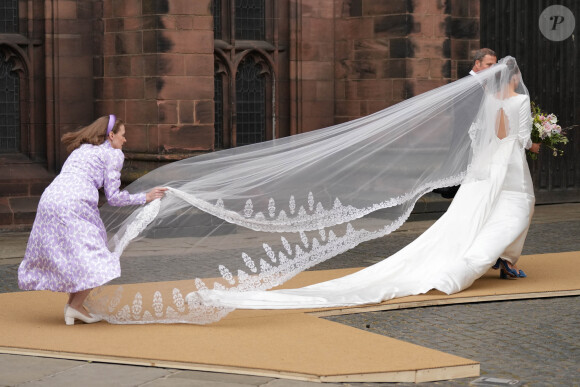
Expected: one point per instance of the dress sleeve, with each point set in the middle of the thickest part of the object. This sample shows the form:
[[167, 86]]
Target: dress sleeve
[[113, 163], [525, 129]]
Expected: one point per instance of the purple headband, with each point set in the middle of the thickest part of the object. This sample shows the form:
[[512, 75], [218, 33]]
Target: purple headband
[[112, 120]]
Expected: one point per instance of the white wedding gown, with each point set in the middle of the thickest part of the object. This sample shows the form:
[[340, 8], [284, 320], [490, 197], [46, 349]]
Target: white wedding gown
[[489, 218]]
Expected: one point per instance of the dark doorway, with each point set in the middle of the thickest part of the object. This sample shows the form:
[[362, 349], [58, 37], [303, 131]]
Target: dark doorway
[[550, 71]]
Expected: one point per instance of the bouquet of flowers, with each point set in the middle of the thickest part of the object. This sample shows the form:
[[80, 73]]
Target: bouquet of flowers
[[545, 130]]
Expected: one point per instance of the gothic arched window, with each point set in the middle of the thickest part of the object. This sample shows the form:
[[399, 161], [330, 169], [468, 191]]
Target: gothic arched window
[[246, 64], [250, 20], [250, 103], [216, 11], [8, 16], [218, 98], [9, 108]]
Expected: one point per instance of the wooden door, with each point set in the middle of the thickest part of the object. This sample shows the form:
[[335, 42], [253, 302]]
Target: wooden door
[[551, 74]]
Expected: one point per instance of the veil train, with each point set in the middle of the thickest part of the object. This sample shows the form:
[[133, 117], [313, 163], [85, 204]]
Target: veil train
[[238, 222]]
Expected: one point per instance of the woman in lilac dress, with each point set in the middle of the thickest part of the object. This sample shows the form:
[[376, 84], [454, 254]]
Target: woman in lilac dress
[[67, 249]]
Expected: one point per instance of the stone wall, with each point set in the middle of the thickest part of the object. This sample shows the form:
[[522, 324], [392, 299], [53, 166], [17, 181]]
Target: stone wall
[[151, 63], [312, 64], [465, 35], [388, 51], [157, 75], [68, 70]]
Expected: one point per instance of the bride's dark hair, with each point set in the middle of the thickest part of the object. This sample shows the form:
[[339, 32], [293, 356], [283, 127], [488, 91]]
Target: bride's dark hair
[[503, 78], [93, 133]]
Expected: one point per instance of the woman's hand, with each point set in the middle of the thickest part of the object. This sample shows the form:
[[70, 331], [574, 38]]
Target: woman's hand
[[535, 148], [155, 193]]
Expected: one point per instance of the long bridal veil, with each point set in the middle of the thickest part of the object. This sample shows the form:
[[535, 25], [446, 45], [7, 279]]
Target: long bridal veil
[[252, 217]]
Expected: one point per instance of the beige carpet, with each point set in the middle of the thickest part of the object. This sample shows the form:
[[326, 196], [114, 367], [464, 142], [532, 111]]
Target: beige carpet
[[283, 344]]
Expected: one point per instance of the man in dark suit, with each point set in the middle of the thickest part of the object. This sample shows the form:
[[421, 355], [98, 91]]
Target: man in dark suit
[[482, 59]]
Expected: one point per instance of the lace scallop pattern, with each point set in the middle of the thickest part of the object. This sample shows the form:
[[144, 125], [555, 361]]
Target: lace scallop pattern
[[261, 273], [315, 218]]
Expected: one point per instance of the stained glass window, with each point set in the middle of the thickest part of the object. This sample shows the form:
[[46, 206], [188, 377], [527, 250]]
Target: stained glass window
[[250, 103], [9, 109], [250, 19], [218, 98], [216, 11], [8, 16]]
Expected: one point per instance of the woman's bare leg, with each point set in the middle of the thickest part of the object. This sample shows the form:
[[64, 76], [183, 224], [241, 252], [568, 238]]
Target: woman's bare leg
[[76, 300]]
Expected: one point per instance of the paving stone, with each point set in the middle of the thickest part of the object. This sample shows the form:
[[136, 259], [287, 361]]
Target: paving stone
[[16, 369], [296, 383], [221, 377], [101, 375], [176, 382], [533, 341]]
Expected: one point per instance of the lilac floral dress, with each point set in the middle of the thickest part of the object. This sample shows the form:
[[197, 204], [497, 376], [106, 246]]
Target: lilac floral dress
[[67, 250]]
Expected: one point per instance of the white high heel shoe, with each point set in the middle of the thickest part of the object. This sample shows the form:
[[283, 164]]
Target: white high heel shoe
[[72, 314]]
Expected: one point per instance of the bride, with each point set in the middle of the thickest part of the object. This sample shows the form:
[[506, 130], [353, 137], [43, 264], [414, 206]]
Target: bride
[[225, 214], [489, 218]]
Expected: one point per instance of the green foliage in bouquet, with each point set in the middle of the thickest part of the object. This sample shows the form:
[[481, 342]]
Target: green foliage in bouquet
[[545, 130]]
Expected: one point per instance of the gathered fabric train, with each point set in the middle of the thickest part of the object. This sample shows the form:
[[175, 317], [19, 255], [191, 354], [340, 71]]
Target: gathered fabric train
[[489, 218], [241, 221]]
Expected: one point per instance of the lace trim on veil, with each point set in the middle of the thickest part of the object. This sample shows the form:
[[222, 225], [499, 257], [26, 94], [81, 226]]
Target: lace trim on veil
[[263, 276]]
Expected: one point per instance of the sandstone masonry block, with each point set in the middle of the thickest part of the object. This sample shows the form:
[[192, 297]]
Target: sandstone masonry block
[[129, 88], [187, 7], [137, 138], [123, 8], [128, 43], [141, 111], [392, 25], [168, 111], [204, 112], [317, 70], [186, 112], [394, 68], [117, 66], [186, 138], [199, 65], [347, 29], [463, 28], [185, 88], [67, 9], [384, 7], [202, 22]]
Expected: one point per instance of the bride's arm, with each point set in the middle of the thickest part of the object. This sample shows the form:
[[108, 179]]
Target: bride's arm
[[525, 129]]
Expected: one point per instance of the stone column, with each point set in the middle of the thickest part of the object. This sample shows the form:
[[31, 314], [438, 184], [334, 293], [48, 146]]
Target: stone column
[[312, 64], [465, 36], [372, 45], [69, 71]]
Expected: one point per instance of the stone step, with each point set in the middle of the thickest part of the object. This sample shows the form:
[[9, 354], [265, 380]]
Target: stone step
[[18, 212], [23, 180]]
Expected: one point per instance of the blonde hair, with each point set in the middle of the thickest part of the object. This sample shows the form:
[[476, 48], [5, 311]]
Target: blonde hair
[[94, 133]]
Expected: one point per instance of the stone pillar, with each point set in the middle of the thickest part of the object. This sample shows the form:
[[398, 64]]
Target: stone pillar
[[312, 64], [465, 36], [69, 71], [372, 45], [158, 77], [428, 62]]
